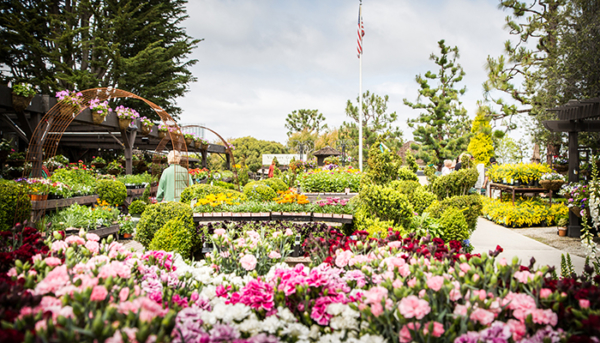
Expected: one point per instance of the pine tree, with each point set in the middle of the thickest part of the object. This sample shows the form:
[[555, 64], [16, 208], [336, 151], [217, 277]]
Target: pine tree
[[443, 129]]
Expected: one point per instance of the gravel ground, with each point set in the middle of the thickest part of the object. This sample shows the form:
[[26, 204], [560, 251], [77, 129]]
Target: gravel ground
[[549, 236]]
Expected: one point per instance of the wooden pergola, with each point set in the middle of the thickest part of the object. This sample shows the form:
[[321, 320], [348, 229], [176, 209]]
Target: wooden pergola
[[574, 117]]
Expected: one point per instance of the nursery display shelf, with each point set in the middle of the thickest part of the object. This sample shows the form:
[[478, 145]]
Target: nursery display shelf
[[139, 191], [322, 196], [266, 216], [518, 190], [101, 232], [58, 203]]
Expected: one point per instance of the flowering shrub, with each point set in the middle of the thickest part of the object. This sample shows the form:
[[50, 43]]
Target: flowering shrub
[[99, 107], [578, 195], [73, 98], [336, 180], [126, 113], [525, 212], [291, 197]]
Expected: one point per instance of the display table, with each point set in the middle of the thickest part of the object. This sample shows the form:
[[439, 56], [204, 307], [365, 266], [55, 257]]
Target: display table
[[518, 190]]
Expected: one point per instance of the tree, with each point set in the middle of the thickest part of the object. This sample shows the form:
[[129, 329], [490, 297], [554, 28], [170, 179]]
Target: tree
[[249, 150], [134, 45], [509, 150], [443, 129], [305, 120], [481, 145], [377, 124]]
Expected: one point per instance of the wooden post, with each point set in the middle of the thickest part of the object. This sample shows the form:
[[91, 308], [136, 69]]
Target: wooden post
[[128, 138], [228, 166], [204, 155], [574, 229]]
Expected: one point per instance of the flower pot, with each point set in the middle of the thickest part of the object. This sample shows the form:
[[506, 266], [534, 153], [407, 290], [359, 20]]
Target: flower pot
[[67, 110], [127, 236], [97, 118], [562, 231], [20, 103], [189, 141], [36, 197], [162, 134], [135, 162], [146, 129], [203, 146], [561, 168], [99, 165], [124, 123], [114, 172]]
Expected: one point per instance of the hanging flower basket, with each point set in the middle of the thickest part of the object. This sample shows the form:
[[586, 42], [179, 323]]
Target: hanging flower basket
[[20, 103], [561, 168], [67, 110], [203, 146], [577, 211], [97, 118], [189, 141], [146, 129], [114, 171], [99, 165], [124, 123], [162, 134], [551, 185]]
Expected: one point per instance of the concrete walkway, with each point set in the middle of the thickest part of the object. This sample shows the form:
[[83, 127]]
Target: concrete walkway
[[488, 235]]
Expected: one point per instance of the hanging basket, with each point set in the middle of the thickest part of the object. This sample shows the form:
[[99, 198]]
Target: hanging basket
[[99, 165], [69, 111], [97, 118], [114, 171], [551, 185], [203, 146], [146, 129], [189, 141], [577, 211], [124, 123], [561, 168], [20, 103], [162, 134]]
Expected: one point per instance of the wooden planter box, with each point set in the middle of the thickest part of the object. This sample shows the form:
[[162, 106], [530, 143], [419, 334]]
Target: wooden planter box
[[58, 203], [297, 216], [106, 231], [261, 216]]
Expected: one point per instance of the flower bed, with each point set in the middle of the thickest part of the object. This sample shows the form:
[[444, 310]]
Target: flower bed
[[523, 173], [407, 290], [330, 181], [525, 213]]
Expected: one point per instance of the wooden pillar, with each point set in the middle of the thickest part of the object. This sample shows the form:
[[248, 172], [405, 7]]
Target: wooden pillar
[[204, 155], [574, 229], [228, 159], [128, 138]]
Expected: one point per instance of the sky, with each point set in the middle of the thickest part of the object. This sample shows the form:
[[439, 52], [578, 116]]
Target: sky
[[262, 59]]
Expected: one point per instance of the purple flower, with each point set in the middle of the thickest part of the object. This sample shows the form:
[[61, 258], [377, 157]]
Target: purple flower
[[223, 333], [469, 337]]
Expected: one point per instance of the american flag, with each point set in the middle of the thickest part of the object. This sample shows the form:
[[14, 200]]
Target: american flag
[[360, 32]]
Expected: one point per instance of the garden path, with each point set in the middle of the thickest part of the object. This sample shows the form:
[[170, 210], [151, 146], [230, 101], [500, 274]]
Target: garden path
[[488, 235]]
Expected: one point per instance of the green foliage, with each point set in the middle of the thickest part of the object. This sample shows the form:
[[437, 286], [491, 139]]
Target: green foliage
[[87, 44], [455, 183], [406, 187], [470, 205], [387, 204], [305, 120], [23, 89], [335, 181], [363, 221], [113, 192], [406, 174], [81, 216], [15, 205], [422, 199], [277, 184], [248, 152], [443, 129], [176, 235], [411, 162], [259, 191], [225, 185], [481, 145], [377, 124], [201, 190], [429, 172], [156, 216], [243, 176], [383, 165], [137, 207], [454, 225]]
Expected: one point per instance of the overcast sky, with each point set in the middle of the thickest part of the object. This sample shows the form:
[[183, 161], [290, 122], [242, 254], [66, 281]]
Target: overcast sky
[[260, 60]]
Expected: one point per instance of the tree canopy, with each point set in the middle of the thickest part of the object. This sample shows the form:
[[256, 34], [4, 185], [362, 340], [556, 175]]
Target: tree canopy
[[443, 129], [138, 46], [249, 150], [305, 120]]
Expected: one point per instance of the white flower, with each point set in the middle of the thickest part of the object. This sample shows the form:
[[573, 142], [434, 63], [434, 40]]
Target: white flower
[[335, 309], [270, 324], [297, 330], [251, 326], [239, 312], [285, 314]]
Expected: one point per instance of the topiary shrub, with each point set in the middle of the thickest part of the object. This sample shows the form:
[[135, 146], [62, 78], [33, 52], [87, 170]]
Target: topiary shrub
[[469, 205], [455, 183], [258, 191], [137, 207], [411, 162], [387, 204], [113, 192], [243, 176], [15, 204], [374, 226], [404, 173], [277, 184], [156, 216], [225, 185], [405, 187], [176, 235], [454, 225], [383, 165], [421, 199], [201, 190]]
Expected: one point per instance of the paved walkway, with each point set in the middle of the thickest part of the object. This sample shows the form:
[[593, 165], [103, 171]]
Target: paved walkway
[[488, 235]]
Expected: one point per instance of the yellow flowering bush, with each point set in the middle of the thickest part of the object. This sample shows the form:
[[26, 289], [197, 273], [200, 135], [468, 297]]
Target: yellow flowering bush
[[526, 212], [524, 172], [215, 200], [291, 197]]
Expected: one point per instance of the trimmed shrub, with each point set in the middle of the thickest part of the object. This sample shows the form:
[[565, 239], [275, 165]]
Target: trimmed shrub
[[411, 162], [176, 235], [137, 207], [374, 226], [258, 191], [404, 173], [225, 185], [156, 216], [277, 184], [421, 199], [387, 204], [469, 205], [243, 176], [113, 192], [455, 183], [15, 205], [201, 190], [405, 187], [454, 225]]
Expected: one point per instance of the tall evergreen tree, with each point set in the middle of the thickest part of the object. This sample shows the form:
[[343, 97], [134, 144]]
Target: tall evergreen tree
[[301, 120], [443, 129], [138, 46]]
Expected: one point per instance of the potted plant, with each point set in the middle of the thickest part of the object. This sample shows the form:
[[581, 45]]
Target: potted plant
[[16, 159], [114, 167], [98, 162], [126, 115], [126, 226], [147, 125], [71, 102], [561, 164], [5, 149], [203, 143], [99, 110], [22, 94], [162, 131], [562, 226], [552, 181], [189, 139]]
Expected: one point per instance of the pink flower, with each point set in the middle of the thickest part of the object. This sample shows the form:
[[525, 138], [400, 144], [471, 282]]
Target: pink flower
[[343, 258], [52, 261], [92, 237], [517, 328], [93, 246], [219, 232], [413, 307], [544, 317], [274, 254], [75, 240], [288, 232], [465, 267], [224, 254], [412, 282], [502, 262], [460, 310], [545, 293], [123, 294], [99, 293], [397, 283], [482, 316], [455, 294], [435, 283], [59, 245], [584, 303], [248, 262], [523, 277], [405, 336], [395, 244], [56, 279], [438, 329]]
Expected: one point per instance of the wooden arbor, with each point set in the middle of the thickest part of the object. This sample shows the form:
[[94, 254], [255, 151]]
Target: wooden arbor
[[574, 117]]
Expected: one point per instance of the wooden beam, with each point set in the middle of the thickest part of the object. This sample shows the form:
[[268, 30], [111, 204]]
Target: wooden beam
[[14, 127], [572, 126]]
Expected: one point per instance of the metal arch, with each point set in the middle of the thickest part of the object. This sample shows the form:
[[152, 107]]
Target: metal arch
[[227, 149], [47, 135]]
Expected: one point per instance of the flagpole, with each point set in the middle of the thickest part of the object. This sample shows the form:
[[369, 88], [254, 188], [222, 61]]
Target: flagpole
[[360, 108]]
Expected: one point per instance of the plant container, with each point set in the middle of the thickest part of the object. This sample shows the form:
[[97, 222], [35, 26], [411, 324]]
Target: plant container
[[124, 123], [97, 118], [162, 134], [146, 129], [562, 231], [20, 103]]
